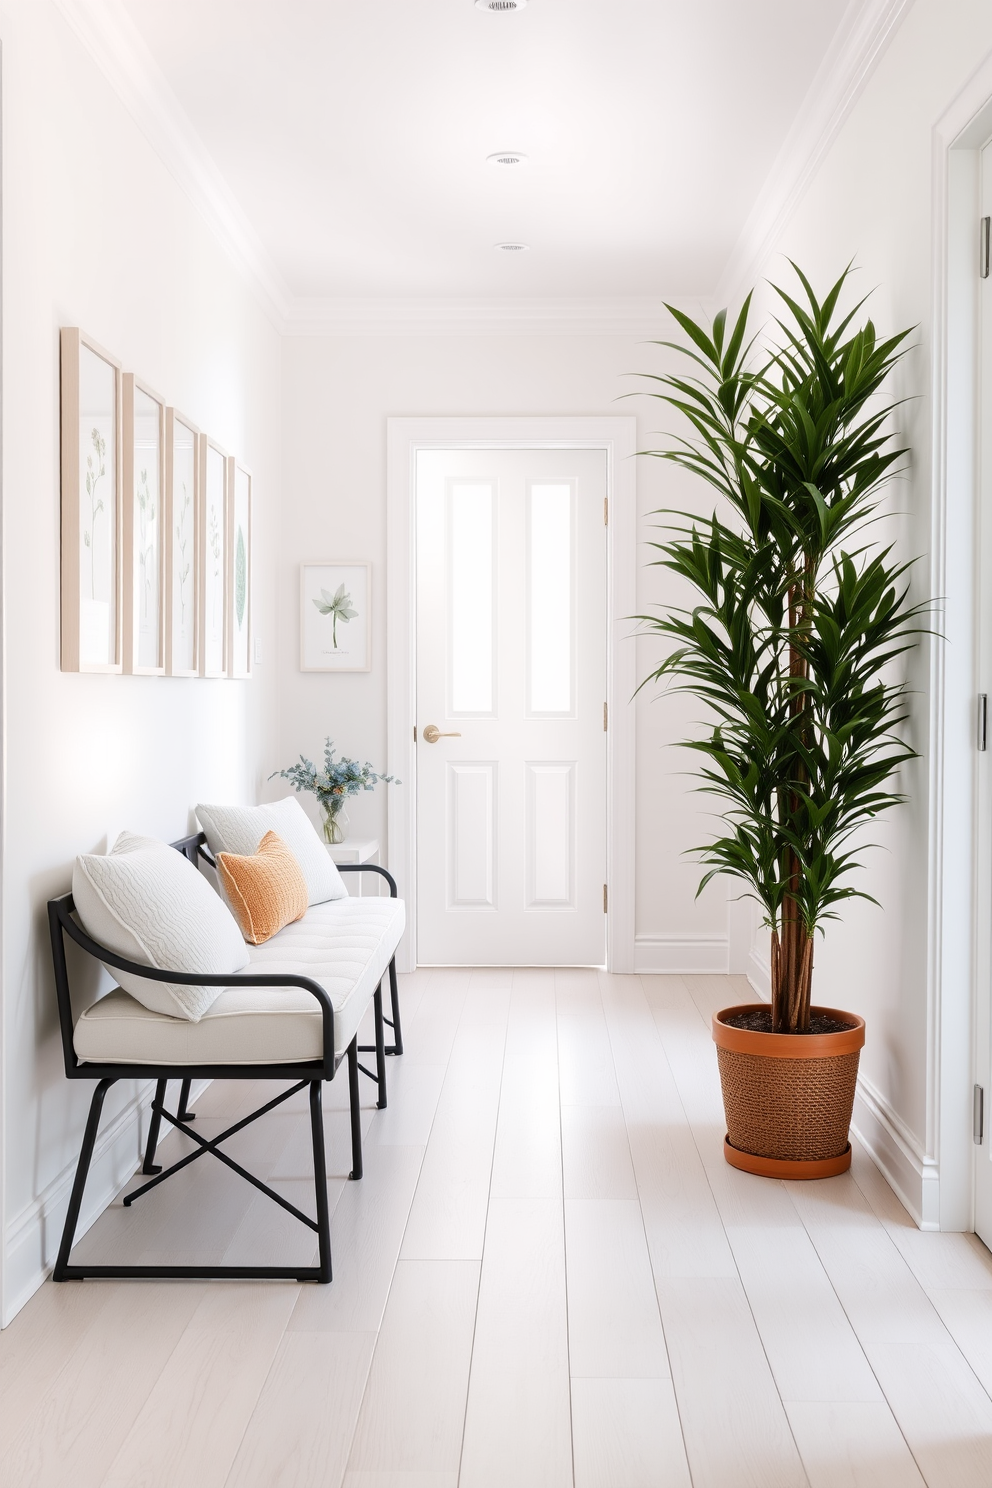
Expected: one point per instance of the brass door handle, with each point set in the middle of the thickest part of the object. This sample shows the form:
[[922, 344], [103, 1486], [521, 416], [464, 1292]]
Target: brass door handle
[[432, 733]]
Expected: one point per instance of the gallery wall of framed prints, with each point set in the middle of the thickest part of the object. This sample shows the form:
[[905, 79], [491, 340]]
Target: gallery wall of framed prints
[[156, 530], [91, 515]]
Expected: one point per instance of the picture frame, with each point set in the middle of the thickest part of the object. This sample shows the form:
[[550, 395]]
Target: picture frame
[[91, 630], [213, 548], [143, 528], [182, 506], [239, 585], [335, 617]]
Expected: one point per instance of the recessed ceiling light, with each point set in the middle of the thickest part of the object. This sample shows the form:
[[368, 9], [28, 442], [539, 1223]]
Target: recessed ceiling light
[[500, 5], [506, 158], [512, 247]]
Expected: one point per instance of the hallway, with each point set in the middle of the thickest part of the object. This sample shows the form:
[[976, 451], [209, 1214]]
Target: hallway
[[548, 1276]]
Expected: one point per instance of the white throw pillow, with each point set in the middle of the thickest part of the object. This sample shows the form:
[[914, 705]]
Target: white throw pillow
[[148, 903], [239, 829]]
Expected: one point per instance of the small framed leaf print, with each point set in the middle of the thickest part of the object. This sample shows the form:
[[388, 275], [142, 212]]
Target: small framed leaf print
[[239, 569], [213, 559], [335, 611], [143, 529], [91, 507], [182, 631]]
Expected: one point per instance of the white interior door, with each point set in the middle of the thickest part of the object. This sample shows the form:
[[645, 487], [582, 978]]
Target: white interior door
[[511, 707], [983, 1020]]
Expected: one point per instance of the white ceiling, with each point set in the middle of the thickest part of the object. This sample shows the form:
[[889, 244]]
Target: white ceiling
[[353, 135]]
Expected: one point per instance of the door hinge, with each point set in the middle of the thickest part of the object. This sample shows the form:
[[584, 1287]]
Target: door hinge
[[983, 721], [606, 717], [983, 247], [978, 1115], [606, 507], [605, 900], [414, 733]]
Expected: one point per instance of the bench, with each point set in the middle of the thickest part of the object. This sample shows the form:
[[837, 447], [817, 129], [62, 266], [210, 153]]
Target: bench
[[292, 1015]]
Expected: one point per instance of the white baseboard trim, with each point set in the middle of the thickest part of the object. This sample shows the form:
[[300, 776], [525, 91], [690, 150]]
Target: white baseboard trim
[[759, 974], [912, 1175], [674, 955], [32, 1238]]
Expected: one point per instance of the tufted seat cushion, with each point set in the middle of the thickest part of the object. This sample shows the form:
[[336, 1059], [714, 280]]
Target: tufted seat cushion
[[345, 945]]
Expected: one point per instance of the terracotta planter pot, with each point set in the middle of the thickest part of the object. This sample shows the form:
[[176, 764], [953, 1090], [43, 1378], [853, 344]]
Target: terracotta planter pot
[[788, 1097]]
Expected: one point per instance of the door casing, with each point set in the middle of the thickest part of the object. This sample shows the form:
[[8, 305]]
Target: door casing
[[617, 436]]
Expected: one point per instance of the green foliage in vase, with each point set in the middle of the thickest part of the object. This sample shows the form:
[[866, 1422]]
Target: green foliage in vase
[[339, 779], [338, 605], [798, 616]]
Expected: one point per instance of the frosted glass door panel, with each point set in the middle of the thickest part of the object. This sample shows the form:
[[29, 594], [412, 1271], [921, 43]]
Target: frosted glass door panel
[[512, 633], [551, 598], [471, 556]]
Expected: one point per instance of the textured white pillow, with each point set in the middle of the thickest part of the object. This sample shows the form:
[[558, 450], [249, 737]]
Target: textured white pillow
[[148, 903], [239, 829]]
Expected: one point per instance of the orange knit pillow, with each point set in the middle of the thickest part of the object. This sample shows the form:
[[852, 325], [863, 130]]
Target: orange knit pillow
[[265, 889]]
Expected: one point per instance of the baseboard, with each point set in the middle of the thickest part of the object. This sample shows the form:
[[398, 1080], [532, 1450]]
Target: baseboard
[[913, 1176], [676, 955], [32, 1238], [759, 974]]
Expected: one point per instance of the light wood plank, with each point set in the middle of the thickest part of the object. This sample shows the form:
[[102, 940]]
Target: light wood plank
[[527, 1156], [366, 1236], [87, 1409], [303, 1423], [400, 1480], [944, 1414], [813, 1351], [448, 1217], [595, 1153], [413, 1413], [626, 1434], [877, 1290], [517, 1426], [191, 1426], [852, 1444], [967, 1316], [733, 1421], [614, 1328]]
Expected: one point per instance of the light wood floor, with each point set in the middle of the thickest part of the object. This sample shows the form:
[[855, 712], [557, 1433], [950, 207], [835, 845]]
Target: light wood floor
[[548, 1277]]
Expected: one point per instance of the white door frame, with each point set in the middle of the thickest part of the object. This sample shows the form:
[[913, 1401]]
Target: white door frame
[[939, 1176], [617, 436]]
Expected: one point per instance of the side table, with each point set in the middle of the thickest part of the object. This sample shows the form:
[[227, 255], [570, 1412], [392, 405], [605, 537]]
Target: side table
[[356, 850]]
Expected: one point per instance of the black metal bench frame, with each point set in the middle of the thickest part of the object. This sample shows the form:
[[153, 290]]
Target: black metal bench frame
[[310, 1073]]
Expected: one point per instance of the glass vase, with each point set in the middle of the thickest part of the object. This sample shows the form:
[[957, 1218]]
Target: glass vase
[[335, 824]]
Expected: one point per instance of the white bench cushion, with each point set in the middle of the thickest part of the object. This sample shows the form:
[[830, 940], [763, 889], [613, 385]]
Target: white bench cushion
[[345, 945]]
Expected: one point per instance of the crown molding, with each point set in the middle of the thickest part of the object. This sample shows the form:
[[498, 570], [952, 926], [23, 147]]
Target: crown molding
[[864, 33], [478, 317], [113, 41]]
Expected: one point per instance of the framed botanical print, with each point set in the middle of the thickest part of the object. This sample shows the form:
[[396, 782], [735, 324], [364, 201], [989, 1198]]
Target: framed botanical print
[[213, 559], [182, 652], [91, 516], [143, 528], [239, 569], [335, 609]]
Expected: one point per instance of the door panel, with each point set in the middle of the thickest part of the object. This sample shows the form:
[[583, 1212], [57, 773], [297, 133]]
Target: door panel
[[511, 672]]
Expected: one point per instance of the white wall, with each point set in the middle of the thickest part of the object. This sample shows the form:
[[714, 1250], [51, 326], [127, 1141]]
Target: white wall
[[337, 395], [96, 233], [871, 200]]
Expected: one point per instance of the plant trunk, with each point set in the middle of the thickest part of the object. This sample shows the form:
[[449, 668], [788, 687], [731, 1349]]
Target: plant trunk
[[792, 942], [792, 972]]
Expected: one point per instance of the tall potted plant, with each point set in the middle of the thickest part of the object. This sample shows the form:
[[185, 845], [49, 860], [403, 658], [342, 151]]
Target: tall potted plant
[[799, 615]]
